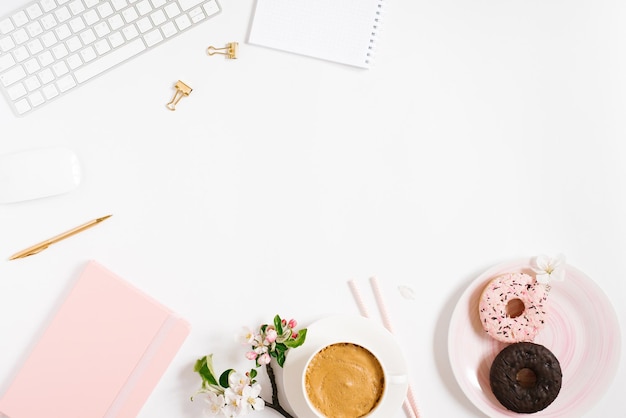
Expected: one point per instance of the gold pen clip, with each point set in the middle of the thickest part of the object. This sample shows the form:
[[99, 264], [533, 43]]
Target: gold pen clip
[[230, 50], [182, 90]]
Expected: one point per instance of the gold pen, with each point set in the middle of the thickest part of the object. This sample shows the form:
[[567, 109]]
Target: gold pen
[[45, 244]]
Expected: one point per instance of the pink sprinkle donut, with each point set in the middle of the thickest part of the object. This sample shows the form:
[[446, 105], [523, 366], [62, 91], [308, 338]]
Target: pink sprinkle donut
[[512, 308]]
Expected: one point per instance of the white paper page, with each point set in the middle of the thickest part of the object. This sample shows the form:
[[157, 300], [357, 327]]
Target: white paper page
[[342, 31]]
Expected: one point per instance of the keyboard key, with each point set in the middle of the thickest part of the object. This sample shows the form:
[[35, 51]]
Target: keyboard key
[[32, 66], [188, 4], [34, 11], [130, 15], [110, 60], [76, 7], [88, 54], [62, 14], [48, 5], [46, 58], [20, 54], [116, 22], [91, 3], [91, 17], [36, 99], [48, 39], [59, 51], [50, 91], [20, 19], [77, 24], [13, 75], [22, 106], [105, 10], [183, 22], [153, 37], [66, 83], [169, 29], [116, 39], [46, 76], [211, 8], [60, 68], [16, 91], [20, 36], [6, 44], [34, 47], [74, 61], [102, 46], [63, 31], [74, 44], [6, 61], [196, 15], [32, 83], [34, 29], [87, 36], [130, 32], [102, 29], [172, 10], [48, 21], [143, 7], [6, 26], [144, 24], [119, 4], [158, 17]]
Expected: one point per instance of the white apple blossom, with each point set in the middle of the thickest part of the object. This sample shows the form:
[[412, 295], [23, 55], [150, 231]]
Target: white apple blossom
[[216, 403], [237, 382], [549, 268], [251, 398]]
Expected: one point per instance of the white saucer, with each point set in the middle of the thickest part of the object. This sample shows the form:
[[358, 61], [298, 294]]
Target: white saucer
[[350, 329]]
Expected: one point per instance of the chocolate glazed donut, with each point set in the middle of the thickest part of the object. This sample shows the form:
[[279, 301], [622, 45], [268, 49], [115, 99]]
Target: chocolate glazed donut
[[525, 377]]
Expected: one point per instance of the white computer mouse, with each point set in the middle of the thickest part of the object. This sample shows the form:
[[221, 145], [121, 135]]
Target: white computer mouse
[[37, 173]]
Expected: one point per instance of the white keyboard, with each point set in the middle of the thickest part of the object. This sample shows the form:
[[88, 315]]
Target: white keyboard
[[50, 47]]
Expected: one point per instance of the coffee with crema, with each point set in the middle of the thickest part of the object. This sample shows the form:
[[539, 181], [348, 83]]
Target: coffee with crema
[[344, 380]]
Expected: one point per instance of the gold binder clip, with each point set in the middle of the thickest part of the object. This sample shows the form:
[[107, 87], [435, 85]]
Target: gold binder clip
[[182, 89], [230, 50]]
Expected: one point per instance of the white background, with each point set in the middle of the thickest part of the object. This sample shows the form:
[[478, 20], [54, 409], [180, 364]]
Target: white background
[[486, 131]]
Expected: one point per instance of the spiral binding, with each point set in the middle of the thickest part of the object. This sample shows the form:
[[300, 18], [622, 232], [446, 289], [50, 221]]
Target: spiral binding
[[374, 34]]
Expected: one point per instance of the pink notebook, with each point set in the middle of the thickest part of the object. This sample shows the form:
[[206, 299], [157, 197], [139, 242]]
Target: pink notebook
[[101, 356]]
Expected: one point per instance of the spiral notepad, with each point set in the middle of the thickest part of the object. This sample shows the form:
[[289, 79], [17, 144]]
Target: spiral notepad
[[343, 31]]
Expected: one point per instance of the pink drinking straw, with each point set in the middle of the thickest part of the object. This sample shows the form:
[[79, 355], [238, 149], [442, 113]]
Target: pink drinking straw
[[410, 405]]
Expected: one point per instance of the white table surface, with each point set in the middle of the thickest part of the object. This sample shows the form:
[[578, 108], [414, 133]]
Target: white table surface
[[486, 131]]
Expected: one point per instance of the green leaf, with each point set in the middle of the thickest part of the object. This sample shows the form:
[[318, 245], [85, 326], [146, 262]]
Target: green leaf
[[297, 342], [253, 373], [204, 367], [278, 324], [224, 378], [280, 358]]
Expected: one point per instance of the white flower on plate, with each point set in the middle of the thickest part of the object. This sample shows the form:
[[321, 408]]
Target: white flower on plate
[[549, 268]]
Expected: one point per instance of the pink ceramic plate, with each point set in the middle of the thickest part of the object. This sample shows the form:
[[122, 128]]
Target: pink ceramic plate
[[581, 330]]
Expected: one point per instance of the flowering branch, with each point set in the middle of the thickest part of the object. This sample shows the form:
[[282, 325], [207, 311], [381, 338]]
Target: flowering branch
[[235, 394], [275, 404]]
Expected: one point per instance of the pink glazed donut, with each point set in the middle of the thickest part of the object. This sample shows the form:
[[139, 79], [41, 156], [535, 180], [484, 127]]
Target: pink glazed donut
[[512, 308]]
